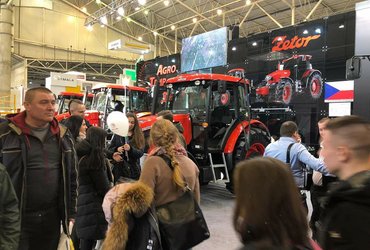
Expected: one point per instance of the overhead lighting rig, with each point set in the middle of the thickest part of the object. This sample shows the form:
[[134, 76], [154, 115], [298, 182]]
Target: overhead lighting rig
[[112, 12]]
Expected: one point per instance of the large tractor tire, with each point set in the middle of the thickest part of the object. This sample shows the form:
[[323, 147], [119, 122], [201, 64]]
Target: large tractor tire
[[315, 84], [259, 139], [284, 91]]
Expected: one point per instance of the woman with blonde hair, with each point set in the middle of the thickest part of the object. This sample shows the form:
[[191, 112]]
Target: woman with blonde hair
[[168, 184], [268, 212]]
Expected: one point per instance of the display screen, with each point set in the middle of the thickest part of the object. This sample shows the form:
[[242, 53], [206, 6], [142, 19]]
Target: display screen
[[204, 51]]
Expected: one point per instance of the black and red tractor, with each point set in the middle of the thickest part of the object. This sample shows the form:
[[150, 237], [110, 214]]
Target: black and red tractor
[[282, 83], [215, 115]]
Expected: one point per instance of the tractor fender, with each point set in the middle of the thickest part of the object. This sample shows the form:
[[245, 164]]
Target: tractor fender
[[287, 79], [306, 75], [238, 129]]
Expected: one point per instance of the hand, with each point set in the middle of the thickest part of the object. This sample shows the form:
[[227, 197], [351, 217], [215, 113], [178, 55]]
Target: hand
[[117, 156], [126, 147], [121, 149]]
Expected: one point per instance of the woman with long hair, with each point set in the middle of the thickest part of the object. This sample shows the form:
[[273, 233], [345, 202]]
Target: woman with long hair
[[168, 184], [128, 151], [94, 183], [268, 212]]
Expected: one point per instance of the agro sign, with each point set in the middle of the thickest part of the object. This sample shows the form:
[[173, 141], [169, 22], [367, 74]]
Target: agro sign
[[166, 70], [294, 43]]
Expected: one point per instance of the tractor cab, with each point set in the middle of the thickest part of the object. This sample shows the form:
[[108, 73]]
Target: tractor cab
[[114, 97]]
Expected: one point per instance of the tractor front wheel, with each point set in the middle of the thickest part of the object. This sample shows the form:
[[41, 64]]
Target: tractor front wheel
[[258, 143]]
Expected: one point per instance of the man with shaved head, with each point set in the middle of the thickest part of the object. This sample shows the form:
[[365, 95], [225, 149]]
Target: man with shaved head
[[346, 153]]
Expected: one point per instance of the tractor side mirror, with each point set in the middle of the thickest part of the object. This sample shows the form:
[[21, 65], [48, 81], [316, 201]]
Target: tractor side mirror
[[221, 87], [353, 68]]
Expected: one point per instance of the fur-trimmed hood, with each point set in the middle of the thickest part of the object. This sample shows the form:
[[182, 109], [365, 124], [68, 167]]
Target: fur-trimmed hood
[[122, 202]]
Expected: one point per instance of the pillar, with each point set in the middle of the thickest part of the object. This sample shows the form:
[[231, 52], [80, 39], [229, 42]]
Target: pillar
[[6, 23]]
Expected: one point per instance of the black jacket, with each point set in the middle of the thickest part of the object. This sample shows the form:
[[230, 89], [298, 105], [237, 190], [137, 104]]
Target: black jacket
[[346, 219], [130, 167], [93, 185], [9, 213], [13, 154]]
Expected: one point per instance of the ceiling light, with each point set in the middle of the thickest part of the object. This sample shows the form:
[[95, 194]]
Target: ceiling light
[[305, 32], [248, 2], [70, 19], [219, 12], [89, 27], [84, 9], [195, 20], [128, 19], [173, 27], [146, 12], [318, 31], [233, 48], [104, 20], [141, 2], [98, 1], [173, 60], [155, 33], [341, 26], [166, 2], [121, 11], [254, 44], [140, 38]]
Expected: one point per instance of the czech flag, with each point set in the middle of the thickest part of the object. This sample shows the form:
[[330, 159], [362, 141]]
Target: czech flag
[[339, 91]]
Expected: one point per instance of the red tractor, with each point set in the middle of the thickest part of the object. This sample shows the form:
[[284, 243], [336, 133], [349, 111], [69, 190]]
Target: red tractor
[[114, 97], [65, 97], [110, 97], [215, 115], [280, 84]]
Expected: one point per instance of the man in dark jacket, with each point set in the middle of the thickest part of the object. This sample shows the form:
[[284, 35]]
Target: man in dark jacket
[[9, 213], [39, 156], [346, 152]]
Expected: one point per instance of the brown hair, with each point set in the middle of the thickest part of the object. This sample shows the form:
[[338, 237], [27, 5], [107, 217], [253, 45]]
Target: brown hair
[[323, 120], [30, 93], [288, 128], [268, 207], [164, 134], [137, 136], [354, 131], [166, 114]]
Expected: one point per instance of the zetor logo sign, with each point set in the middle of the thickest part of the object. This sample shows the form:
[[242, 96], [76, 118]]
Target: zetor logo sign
[[166, 70], [294, 43]]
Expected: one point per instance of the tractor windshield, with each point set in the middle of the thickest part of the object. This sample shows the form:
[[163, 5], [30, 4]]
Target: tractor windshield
[[136, 101], [187, 99]]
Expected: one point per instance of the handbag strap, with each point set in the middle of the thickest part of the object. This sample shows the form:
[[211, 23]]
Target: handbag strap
[[288, 153], [167, 159]]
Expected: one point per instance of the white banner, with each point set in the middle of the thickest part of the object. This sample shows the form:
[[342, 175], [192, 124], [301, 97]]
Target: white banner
[[60, 79]]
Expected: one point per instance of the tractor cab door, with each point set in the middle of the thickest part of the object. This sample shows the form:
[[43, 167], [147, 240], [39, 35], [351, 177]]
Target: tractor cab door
[[224, 108]]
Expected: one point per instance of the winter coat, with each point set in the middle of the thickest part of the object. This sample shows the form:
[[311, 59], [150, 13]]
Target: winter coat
[[14, 146], [130, 166], [346, 218], [132, 224], [9, 213], [93, 185], [158, 175]]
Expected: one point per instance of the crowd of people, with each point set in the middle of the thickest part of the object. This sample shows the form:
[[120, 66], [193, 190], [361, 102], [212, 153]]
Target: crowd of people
[[60, 174]]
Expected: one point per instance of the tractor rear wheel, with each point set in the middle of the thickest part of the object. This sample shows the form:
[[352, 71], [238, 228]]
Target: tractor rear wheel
[[258, 142]]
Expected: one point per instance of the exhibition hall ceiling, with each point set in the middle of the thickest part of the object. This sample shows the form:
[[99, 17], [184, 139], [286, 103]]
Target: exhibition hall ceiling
[[169, 20]]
